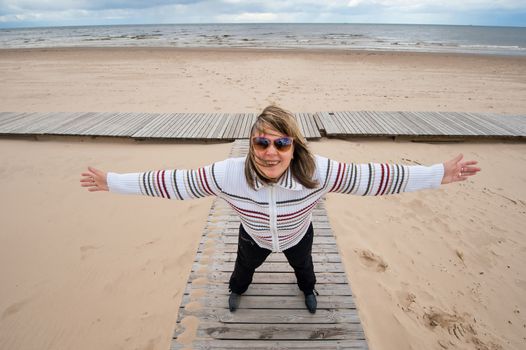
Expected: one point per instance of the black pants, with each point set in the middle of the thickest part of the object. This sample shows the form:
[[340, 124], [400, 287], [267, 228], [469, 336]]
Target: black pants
[[250, 256]]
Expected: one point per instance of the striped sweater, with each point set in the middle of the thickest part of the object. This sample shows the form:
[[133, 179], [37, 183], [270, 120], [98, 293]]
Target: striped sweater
[[278, 215]]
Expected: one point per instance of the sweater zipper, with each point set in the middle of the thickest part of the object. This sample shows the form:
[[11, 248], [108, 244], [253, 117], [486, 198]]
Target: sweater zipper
[[273, 219]]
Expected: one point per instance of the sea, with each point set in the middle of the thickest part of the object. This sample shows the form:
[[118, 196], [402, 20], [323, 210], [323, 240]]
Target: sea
[[374, 37]]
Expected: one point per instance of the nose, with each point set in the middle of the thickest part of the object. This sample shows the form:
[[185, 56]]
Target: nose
[[271, 150]]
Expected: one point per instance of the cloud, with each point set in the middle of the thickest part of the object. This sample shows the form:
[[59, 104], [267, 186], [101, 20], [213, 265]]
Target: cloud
[[67, 12]]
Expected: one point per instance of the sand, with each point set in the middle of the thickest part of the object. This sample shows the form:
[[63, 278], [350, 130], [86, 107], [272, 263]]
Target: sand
[[439, 269], [193, 80]]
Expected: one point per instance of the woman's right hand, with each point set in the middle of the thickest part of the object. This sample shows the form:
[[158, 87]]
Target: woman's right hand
[[94, 180]]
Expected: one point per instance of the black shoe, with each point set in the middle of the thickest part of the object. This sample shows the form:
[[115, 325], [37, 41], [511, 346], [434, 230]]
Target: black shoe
[[233, 301], [311, 303]]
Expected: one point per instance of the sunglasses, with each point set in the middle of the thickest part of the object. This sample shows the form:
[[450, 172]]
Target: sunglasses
[[283, 144]]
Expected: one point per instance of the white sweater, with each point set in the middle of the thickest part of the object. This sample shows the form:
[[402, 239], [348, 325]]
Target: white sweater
[[277, 216]]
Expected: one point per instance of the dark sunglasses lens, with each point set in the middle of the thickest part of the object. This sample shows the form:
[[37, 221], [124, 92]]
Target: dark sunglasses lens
[[283, 144], [261, 143]]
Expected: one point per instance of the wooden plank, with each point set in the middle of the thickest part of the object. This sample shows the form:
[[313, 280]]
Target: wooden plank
[[488, 129], [186, 127], [264, 277], [367, 122], [382, 127], [245, 131], [16, 121], [322, 316], [218, 121], [275, 302], [457, 123], [413, 123], [247, 123], [99, 121], [227, 123], [227, 132], [235, 121], [111, 125], [217, 330], [150, 126], [310, 130], [200, 120], [423, 126], [383, 120], [269, 266], [333, 257], [327, 120], [176, 130], [283, 289], [500, 124], [352, 125], [303, 125], [158, 126], [206, 127], [183, 120], [341, 125], [250, 122], [10, 118], [18, 124], [319, 123], [32, 125], [322, 344], [433, 119], [132, 124], [241, 127]]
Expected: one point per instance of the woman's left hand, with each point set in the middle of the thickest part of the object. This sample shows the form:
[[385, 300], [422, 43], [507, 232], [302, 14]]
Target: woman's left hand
[[458, 170]]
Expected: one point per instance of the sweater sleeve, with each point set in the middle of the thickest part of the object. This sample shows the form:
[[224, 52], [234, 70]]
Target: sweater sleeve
[[171, 184], [375, 179]]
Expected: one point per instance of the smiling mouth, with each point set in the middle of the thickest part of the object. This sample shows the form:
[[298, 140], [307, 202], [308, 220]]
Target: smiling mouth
[[269, 164]]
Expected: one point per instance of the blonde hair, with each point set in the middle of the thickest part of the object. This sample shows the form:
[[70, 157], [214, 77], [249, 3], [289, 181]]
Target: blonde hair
[[302, 164]]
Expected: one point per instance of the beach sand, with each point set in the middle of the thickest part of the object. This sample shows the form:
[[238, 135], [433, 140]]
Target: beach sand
[[437, 269], [204, 80]]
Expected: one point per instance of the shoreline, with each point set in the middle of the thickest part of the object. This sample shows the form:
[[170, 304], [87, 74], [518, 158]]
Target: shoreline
[[314, 51]]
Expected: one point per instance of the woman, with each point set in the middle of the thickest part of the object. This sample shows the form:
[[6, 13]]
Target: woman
[[274, 190]]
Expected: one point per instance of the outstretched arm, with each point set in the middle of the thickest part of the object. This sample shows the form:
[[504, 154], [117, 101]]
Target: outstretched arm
[[375, 179], [458, 170], [170, 184]]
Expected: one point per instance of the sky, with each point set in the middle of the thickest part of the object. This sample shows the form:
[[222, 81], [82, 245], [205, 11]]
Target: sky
[[33, 13]]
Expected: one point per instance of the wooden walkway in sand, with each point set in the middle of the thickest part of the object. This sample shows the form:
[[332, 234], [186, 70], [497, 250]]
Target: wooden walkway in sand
[[232, 126], [272, 313]]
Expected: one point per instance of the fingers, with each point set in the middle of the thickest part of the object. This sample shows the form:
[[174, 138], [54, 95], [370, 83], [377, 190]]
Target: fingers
[[469, 162], [95, 189]]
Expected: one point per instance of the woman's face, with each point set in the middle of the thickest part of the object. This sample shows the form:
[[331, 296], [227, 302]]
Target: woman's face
[[269, 161]]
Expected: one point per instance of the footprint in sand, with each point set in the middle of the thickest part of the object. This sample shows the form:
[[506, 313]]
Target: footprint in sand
[[200, 281], [405, 299], [458, 329], [193, 306], [188, 327], [197, 293], [14, 308], [208, 251], [371, 260], [85, 250]]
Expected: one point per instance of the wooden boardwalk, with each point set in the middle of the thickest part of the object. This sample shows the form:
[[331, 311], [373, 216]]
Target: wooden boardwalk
[[272, 313], [232, 126]]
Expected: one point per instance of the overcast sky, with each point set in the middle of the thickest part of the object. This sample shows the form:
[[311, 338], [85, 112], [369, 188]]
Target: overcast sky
[[22, 13]]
